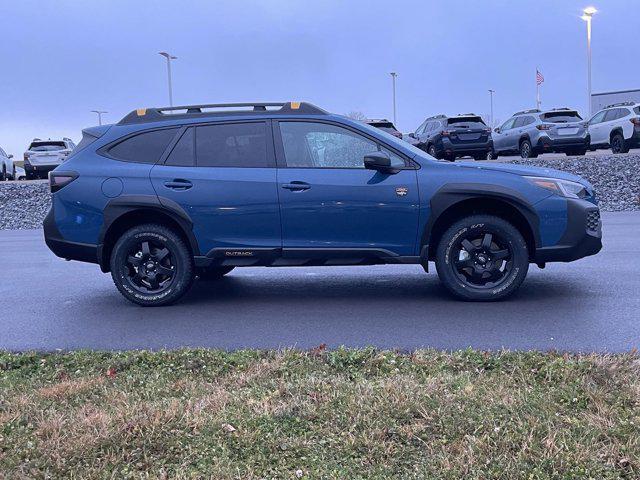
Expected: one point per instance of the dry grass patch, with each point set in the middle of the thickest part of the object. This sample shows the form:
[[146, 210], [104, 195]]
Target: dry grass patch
[[319, 414]]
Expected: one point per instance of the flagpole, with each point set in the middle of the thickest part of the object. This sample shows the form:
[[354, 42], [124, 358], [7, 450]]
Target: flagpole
[[537, 91]]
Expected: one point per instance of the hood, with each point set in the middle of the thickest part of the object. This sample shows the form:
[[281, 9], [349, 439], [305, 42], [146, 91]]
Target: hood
[[525, 170]]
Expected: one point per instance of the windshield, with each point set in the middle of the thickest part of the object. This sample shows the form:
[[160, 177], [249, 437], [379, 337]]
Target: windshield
[[46, 146], [466, 122], [561, 117]]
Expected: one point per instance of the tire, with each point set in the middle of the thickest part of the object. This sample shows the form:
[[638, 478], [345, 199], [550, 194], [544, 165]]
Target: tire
[[432, 151], [13, 174], [479, 277], [3, 174], [526, 150], [151, 265], [618, 145], [213, 273], [491, 155]]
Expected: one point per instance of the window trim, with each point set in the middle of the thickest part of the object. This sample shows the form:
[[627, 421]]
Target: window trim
[[281, 159], [104, 150]]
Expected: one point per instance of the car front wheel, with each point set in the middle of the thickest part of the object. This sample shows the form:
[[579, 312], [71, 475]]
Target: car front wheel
[[482, 258], [151, 265]]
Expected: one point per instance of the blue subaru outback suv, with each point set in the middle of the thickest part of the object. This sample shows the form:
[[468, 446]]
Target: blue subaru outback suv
[[168, 195]]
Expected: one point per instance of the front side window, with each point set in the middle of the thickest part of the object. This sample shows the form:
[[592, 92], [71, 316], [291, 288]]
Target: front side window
[[508, 124], [320, 145], [145, 147], [232, 145], [598, 117]]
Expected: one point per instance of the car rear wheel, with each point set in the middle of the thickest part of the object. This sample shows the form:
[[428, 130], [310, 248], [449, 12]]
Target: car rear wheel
[[3, 173], [13, 174], [491, 155], [482, 258], [432, 151], [618, 144], [213, 273], [151, 265], [526, 150]]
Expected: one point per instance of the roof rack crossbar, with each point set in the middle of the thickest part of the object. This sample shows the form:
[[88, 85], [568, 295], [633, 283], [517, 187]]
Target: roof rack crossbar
[[621, 104], [144, 115]]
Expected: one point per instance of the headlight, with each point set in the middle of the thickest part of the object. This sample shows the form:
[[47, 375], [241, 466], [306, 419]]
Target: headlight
[[564, 188]]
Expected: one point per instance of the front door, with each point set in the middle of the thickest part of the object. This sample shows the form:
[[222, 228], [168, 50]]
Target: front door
[[329, 201], [223, 176], [501, 139]]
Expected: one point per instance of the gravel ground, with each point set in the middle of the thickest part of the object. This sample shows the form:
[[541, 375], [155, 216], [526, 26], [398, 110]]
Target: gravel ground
[[23, 205], [616, 178]]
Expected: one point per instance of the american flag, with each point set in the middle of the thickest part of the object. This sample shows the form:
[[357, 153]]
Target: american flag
[[539, 78]]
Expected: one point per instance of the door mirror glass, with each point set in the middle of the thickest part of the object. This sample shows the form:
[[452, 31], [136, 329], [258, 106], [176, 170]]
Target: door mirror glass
[[379, 161], [497, 129]]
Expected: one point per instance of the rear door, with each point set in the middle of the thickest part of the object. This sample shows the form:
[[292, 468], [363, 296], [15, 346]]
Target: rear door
[[330, 202], [223, 176], [597, 130]]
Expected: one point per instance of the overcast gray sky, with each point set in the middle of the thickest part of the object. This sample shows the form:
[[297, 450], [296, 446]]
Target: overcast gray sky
[[61, 59]]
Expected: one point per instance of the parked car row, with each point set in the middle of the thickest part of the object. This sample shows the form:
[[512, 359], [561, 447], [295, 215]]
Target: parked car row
[[42, 156], [527, 133]]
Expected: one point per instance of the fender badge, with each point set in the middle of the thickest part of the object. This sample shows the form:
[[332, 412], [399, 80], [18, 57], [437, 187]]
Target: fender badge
[[402, 191]]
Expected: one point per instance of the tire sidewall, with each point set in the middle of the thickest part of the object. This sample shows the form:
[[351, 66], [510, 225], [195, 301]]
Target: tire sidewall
[[522, 150], [183, 275], [486, 224]]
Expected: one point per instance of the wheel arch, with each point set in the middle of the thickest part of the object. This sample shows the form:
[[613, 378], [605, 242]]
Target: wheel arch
[[523, 137], [614, 132], [454, 202], [125, 212]]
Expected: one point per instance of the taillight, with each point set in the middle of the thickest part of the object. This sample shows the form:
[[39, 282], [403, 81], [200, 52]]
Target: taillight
[[445, 133], [57, 180], [543, 126], [635, 121], [26, 157]]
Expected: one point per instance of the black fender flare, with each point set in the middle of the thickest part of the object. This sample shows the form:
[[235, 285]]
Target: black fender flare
[[119, 206], [452, 194]]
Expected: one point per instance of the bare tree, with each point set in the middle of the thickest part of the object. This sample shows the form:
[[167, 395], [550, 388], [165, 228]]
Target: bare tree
[[356, 115]]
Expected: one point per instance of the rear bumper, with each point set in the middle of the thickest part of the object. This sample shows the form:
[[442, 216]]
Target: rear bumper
[[582, 238], [62, 248], [41, 170], [447, 147], [547, 144]]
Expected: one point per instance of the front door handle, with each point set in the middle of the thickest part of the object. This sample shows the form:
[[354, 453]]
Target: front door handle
[[296, 186], [178, 184]]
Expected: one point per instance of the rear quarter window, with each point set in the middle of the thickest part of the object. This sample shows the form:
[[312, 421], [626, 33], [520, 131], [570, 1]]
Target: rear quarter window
[[146, 147]]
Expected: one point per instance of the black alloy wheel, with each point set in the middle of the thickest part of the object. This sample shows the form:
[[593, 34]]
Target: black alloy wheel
[[151, 265], [618, 145], [482, 258], [432, 151]]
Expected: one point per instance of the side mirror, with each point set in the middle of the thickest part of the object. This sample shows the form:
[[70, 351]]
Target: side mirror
[[10, 155], [379, 161], [497, 130]]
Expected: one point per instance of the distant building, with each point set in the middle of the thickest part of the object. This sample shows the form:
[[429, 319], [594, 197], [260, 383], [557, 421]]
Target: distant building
[[601, 100]]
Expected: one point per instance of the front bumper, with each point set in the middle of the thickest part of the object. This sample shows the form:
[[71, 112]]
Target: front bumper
[[582, 238], [62, 248], [558, 144]]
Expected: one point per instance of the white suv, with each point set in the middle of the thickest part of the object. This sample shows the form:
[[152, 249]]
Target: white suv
[[42, 156], [616, 126], [7, 168]]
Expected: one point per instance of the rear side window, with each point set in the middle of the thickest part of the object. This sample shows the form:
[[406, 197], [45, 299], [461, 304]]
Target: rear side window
[[183, 154], [561, 117], [520, 121], [145, 147], [232, 145]]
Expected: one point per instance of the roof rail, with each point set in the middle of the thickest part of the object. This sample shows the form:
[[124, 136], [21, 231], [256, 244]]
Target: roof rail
[[621, 104], [36, 140], [466, 114], [533, 110], [143, 115], [436, 116], [562, 108]]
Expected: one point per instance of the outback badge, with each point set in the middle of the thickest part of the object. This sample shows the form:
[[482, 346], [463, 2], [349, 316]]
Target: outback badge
[[401, 191]]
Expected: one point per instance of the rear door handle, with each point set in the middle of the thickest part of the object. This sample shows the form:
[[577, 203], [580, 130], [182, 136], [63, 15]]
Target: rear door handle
[[178, 184], [296, 186]]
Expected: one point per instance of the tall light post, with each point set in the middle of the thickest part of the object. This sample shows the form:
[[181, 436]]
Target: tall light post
[[99, 112], [393, 81], [169, 57], [587, 15], [491, 92]]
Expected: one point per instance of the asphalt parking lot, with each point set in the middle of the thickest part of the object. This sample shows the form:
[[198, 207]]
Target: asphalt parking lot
[[588, 305]]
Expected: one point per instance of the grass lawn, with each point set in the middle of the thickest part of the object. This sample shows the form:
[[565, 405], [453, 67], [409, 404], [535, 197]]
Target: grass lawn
[[319, 414]]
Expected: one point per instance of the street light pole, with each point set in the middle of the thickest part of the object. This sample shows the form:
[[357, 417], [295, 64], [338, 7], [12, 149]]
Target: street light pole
[[393, 80], [491, 92], [169, 57], [587, 15], [99, 112]]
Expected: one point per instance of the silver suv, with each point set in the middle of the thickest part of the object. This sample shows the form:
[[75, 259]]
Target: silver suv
[[532, 132], [42, 156]]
